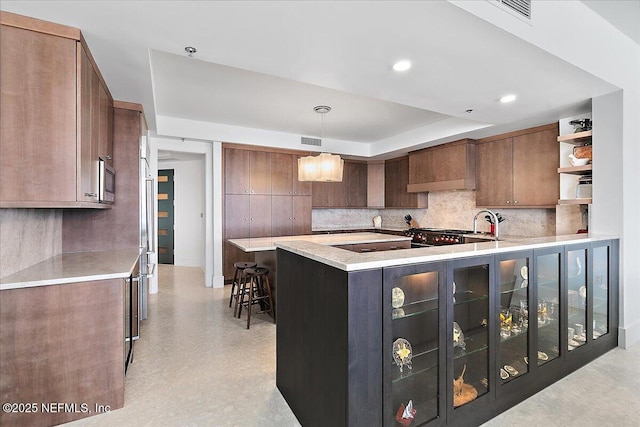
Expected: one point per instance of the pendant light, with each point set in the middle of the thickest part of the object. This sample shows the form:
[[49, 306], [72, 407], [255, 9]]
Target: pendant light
[[322, 168]]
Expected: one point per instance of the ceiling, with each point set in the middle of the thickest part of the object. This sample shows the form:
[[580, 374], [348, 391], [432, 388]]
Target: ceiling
[[265, 65]]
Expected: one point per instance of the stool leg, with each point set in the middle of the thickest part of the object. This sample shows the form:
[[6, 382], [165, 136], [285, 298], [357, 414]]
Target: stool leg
[[233, 286], [268, 286], [250, 302], [240, 295]]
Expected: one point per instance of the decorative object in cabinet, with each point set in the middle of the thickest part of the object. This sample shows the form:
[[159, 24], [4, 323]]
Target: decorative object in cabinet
[[582, 150], [576, 298], [546, 311], [73, 108], [449, 166], [507, 164]]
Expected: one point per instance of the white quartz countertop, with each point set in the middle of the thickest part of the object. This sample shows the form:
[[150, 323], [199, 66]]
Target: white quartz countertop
[[74, 267], [269, 243], [353, 261]]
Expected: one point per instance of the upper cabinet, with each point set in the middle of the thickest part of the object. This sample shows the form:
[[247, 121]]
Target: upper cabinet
[[519, 169], [284, 176], [247, 172], [57, 116], [449, 166], [351, 192], [396, 172]]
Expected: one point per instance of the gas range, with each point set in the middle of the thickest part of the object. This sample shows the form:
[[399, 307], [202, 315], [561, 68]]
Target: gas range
[[424, 237]]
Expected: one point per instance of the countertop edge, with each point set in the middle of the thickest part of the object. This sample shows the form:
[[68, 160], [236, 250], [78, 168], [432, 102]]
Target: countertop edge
[[74, 268], [270, 243]]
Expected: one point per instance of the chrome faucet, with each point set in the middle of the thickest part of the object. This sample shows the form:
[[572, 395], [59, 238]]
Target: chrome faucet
[[495, 221]]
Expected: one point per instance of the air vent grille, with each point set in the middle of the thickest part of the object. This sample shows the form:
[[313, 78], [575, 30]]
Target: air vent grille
[[311, 141], [522, 7]]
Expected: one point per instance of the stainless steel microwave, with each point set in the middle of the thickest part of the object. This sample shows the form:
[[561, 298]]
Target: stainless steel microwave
[[107, 182]]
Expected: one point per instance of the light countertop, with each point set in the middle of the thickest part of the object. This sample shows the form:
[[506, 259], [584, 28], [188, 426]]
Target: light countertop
[[74, 267], [269, 243], [353, 261]]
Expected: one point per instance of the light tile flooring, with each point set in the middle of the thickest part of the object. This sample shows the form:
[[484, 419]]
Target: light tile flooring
[[197, 365]]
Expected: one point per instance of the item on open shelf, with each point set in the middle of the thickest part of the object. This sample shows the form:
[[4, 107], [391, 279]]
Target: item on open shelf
[[406, 414], [463, 392], [583, 151], [581, 125], [402, 353], [458, 336], [397, 297]]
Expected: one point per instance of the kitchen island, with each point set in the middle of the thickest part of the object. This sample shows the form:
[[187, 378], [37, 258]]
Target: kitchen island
[[62, 337], [264, 248], [361, 337]]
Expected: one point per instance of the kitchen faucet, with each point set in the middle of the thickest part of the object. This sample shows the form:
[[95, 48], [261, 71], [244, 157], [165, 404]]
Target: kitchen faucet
[[495, 221]]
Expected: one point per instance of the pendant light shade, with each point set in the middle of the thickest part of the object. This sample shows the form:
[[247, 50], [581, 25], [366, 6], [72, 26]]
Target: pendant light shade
[[322, 168]]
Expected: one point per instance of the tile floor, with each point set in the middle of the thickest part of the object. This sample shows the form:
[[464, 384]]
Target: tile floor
[[197, 365]]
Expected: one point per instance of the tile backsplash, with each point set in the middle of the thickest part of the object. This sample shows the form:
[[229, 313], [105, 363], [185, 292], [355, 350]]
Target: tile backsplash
[[27, 237], [447, 209]]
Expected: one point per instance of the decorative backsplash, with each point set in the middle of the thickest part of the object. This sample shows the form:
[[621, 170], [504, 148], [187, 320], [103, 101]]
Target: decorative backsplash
[[447, 209], [28, 237]]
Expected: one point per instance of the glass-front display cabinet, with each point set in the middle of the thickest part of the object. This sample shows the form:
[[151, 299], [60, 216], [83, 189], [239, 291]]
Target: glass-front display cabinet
[[512, 320], [545, 312], [469, 326], [577, 297], [601, 276], [413, 336]]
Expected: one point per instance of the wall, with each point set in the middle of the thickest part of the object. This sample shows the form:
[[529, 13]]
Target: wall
[[447, 209], [27, 237], [189, 211]]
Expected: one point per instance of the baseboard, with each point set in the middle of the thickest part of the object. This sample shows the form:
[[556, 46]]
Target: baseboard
[[629, 335]]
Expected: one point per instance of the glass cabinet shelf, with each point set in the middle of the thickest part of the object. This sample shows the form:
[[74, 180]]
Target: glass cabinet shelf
[[425, 357], [466, 297], [415, 308], [475, 341]]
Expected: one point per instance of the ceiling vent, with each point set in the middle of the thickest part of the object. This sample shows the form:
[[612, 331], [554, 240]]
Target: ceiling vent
[[311, 141], [519, 8]]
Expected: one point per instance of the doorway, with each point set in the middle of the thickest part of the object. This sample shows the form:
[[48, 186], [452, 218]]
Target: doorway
[[166, 216]]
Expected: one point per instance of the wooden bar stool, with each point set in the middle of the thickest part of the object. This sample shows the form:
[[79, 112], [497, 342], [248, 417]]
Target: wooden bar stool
[[238, 279], [257, 290]]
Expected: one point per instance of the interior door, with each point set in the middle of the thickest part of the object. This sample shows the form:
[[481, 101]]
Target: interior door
[[165, 216]]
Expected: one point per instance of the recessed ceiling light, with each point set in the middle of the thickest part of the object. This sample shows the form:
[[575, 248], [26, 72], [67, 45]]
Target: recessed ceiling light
[[403, 65], [508, 98]]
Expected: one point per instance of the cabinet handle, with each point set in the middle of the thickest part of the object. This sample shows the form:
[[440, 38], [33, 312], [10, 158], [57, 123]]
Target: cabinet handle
[[508, 202], [515, 202], [91, 194], [107, 157]]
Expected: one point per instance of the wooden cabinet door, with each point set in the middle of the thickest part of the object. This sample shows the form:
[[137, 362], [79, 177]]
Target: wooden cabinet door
[[237, 215], [356, 174], [260, 172], [301, 215], [105, 132], [320, 194], [282, 174], [396, 174], [536, 161], [300, 188], [89, 129], [281, 216], [494, 168], [38, 116], [236, 171], [260, 216]]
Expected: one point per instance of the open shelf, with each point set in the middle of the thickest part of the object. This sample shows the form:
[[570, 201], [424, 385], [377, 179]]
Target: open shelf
[[577, 170], [577, 138], [575, 201]]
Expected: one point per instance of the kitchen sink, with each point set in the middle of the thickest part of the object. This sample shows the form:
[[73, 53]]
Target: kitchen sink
[[479, 238]]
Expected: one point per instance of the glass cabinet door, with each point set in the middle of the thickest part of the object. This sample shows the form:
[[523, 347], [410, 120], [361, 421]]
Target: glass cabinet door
[[545, 311], [601, 255], [513, 318], [470, 295], [412, 367], [576, 298]]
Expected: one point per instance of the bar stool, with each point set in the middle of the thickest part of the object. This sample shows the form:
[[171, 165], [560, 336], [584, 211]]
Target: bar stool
[[238, 278], [257, 289]]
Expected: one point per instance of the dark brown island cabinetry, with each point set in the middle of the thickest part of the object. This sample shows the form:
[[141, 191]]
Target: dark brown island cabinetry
[[350, 193], [56, 114], [263, 198], [462, 339], [396, 175], [518, 170], [449, 166]]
